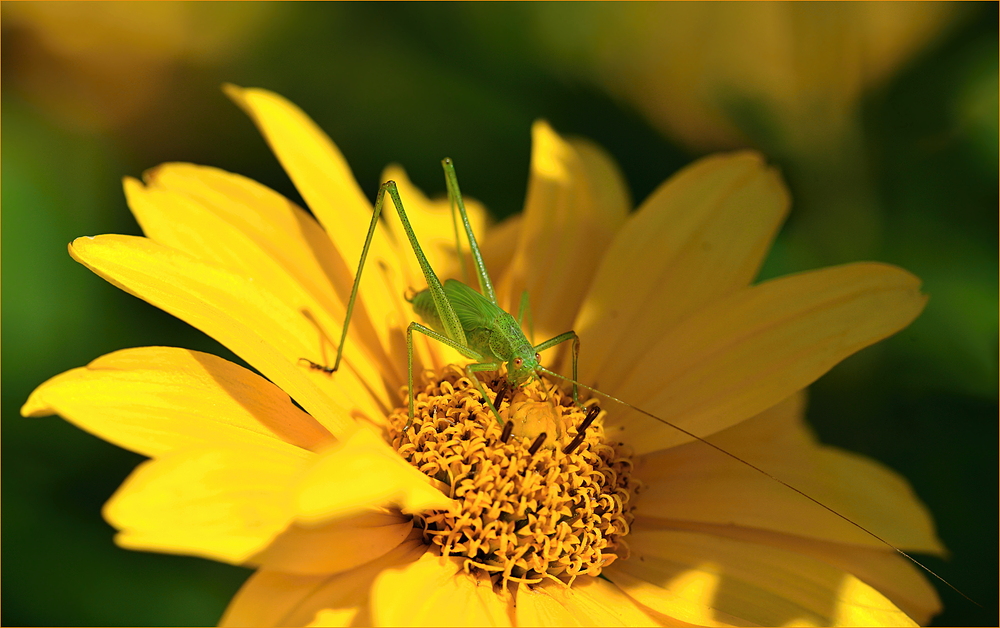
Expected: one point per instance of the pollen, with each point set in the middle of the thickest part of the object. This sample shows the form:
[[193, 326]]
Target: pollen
[[546, 496]]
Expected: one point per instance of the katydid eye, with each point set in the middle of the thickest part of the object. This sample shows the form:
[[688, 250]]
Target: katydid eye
[[518, 362], [538, 357]]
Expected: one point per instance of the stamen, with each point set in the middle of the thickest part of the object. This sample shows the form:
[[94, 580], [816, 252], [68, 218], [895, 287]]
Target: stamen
[[535, 446], [508, 429], [591, 416], [573, 444], [581, 432], [500, 395]]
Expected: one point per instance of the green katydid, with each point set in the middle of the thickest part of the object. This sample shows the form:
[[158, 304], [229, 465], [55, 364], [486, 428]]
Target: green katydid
[[477, 327], [468, 321]]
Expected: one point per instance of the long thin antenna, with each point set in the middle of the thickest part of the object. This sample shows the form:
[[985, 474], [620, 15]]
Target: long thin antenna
[[765, 473]]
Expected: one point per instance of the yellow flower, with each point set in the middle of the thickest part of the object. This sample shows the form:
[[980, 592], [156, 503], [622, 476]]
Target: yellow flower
[[709, 74], [350, 521], [98, 67]]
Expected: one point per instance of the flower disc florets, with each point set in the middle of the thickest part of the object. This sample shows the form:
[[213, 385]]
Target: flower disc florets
[[535, 501]]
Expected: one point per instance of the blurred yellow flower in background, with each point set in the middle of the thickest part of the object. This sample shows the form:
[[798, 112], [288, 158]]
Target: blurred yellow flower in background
[[313, 494], [700, 71], [96, 66], [787, 78]]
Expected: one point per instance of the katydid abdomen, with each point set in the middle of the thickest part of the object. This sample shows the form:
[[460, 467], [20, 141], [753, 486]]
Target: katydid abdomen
[[489, 331]]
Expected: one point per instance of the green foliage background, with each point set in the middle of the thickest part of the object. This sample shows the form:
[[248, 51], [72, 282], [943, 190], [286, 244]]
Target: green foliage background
[[411, 84]]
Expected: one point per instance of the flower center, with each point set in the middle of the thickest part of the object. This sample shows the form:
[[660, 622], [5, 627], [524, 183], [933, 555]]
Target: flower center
[[538, 498]]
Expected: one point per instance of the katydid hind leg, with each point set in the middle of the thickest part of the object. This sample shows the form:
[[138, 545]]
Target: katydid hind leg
[[455, 196], [453, 207], [354, 289], [446, 312]]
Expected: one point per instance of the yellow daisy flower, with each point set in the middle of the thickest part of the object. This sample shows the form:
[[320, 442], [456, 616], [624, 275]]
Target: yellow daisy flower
[[351, 520]]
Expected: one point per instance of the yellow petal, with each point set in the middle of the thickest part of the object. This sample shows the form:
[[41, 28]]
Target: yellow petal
[[747, 352], [312, 161], [498, 246], [433, 591], [696, 483], [154, 400], [576, 202], [268, 598], [892, 575], [269, 334], [273, 598], [590, 602], [334, 617], [688, 600], [220, 503], [336, 546], [237, 223], [323, 178], [701, 235], [698, 575], [360, 473]]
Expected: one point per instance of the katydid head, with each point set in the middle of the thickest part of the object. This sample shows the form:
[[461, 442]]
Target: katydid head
[[522, 369]]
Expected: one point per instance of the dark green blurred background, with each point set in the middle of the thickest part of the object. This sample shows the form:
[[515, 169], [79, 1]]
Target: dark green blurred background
[[94, 92]]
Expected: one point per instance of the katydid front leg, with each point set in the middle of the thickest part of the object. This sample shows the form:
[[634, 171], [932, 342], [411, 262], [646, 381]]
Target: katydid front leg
[[470, 370], [561, 338]]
